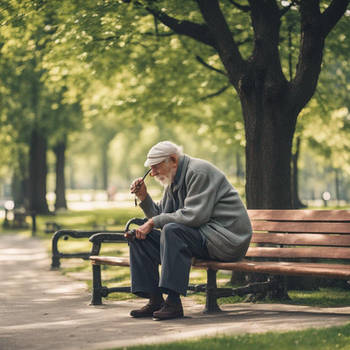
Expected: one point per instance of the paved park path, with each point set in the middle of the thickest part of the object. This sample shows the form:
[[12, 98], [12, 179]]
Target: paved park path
[[42, 309]]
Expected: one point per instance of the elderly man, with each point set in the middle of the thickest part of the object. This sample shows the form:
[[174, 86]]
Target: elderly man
[[200, 215]]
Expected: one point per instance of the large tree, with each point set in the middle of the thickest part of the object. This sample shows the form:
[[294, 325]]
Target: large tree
[[270, 101], [34, 107]]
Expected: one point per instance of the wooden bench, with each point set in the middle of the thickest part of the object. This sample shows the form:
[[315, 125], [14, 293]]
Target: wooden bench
[[284, 242]]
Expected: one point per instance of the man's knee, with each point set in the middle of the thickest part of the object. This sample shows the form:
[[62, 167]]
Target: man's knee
[[171, 226], [173, 231]]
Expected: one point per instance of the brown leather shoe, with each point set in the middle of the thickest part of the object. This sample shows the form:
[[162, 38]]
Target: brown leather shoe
[[169, 311], [146, 311]]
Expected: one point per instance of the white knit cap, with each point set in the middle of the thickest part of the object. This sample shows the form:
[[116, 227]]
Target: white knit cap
[[160, 152]]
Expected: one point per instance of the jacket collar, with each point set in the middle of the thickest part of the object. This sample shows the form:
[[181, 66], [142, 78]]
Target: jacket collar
[[181, 171]]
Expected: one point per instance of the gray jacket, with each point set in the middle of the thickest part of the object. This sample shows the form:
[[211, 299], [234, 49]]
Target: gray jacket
[[202, 197]]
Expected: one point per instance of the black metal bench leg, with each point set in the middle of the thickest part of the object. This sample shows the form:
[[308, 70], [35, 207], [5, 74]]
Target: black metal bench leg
[[280, 290], [211, 305], [96, 285], [55, 262]]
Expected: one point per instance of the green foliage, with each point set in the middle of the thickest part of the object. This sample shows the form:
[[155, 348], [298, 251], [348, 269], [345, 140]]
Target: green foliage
[[131, 63], [324, 123], [107, 72], [29, 101], [127, 65]]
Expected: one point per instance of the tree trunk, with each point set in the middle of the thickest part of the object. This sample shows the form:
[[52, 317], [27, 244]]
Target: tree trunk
[[59, 151], [268, 154], [296, 202], [38, 173], [94, 183], [337, 186], [71, 175], [19, 183], [104, 166], [239, 166], [18, 189], [269, 124]]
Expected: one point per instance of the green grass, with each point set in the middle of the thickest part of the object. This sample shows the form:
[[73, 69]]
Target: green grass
[[113, 219], [324, 297], [334, 338]]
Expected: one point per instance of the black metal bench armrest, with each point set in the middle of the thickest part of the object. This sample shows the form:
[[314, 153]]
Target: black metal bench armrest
[[136, 221], [109, 237], [56, 255], [72, 233], [104, 237], [65, 234]]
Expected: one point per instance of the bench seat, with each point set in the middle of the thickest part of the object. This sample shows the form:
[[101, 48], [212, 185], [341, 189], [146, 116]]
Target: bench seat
[[341, 271]]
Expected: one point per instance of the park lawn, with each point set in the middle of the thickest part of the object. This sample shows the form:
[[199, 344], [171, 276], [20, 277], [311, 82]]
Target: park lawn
[[91, 219], [112, 219], [333, 338]]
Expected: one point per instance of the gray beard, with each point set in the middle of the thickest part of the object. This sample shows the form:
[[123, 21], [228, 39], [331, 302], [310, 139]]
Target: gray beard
[[166, 180]]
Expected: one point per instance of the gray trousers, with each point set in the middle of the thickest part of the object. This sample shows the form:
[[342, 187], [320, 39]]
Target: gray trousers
[[173, 248]]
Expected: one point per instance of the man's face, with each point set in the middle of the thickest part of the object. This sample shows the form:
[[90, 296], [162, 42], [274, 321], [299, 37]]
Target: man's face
[[164, 171]]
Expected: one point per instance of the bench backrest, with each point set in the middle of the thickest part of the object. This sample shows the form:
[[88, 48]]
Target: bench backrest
[[293, 234]]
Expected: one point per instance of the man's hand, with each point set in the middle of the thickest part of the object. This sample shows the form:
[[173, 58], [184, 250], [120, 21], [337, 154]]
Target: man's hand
[[139, 188], [145, 229]]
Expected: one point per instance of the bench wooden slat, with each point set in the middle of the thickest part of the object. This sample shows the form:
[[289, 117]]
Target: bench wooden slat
[[109, 260], [317, 227], [199, 263], [302, 239], [277, 268], [304, 252], [304, 215], [286, 268]]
